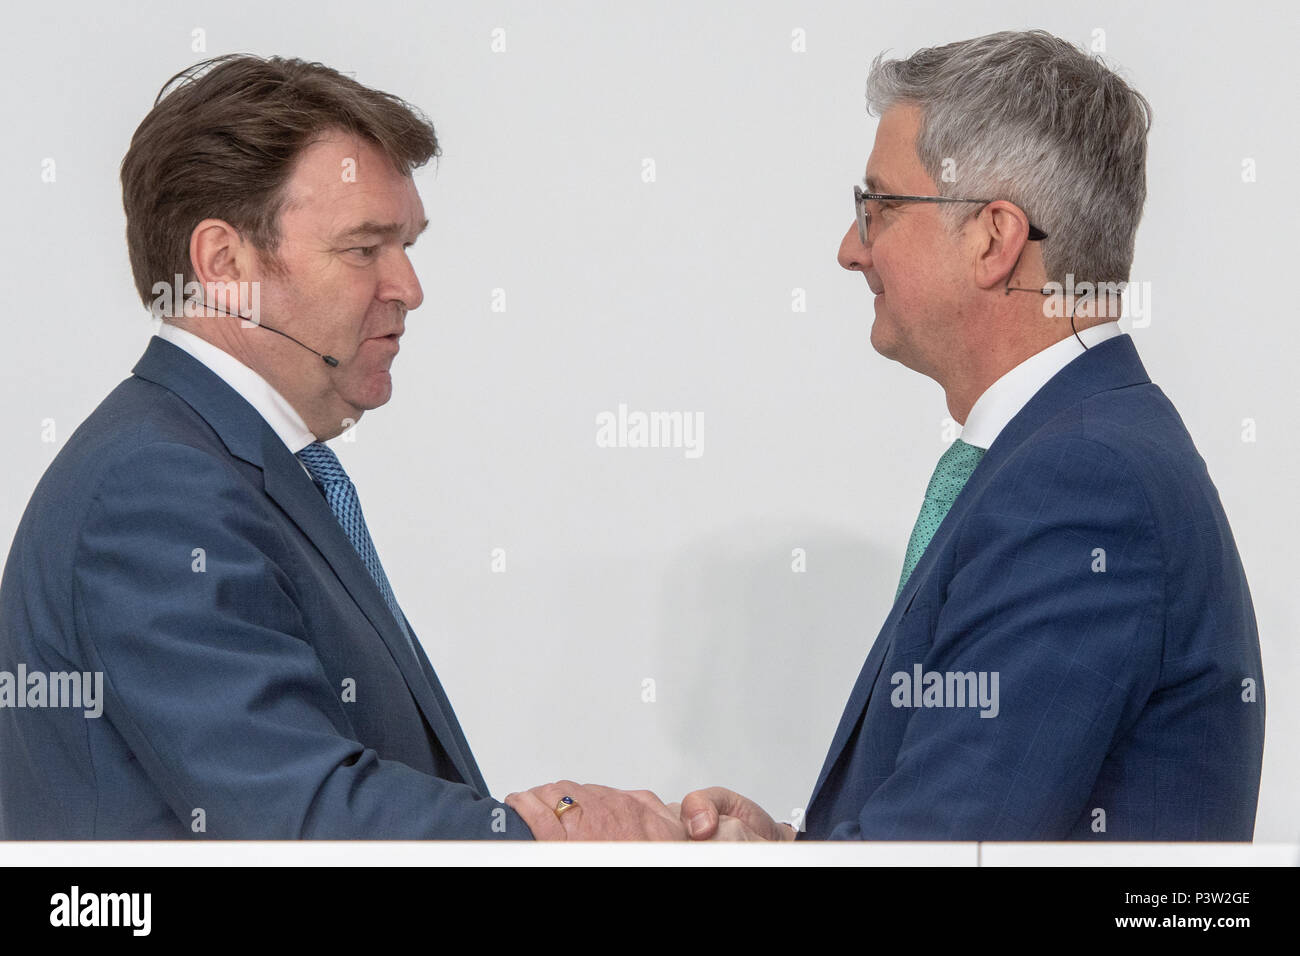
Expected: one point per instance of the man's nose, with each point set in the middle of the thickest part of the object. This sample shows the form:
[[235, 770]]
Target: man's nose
[[853, 254], [403, 284]]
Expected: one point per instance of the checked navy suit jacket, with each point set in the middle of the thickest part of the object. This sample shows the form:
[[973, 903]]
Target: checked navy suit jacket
[[258, 689], [1089, 563]]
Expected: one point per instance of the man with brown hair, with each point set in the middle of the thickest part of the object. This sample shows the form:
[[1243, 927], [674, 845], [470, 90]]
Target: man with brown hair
[[197, 549]]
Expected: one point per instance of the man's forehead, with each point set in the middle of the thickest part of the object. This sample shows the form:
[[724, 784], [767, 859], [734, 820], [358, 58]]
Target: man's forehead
[[334, 152], [893, 166], [349, 185]]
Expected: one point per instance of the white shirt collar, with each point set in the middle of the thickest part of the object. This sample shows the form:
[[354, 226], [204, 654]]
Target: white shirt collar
[[1004, 399], [257, 391]]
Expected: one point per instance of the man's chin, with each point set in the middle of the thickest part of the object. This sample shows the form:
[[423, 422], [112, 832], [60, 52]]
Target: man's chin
[[894, 348], [882, 341], [376, 392]]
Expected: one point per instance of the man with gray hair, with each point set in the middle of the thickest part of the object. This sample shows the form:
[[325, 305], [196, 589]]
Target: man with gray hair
[[1072, 651]]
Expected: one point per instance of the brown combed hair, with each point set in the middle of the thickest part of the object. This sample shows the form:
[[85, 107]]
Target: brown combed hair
[[220, 143]]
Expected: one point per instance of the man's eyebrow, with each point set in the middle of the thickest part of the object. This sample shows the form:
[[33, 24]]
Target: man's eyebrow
[[382, 230], [873, 185]]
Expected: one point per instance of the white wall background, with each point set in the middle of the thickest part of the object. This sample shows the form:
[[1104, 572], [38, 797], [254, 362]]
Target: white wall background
[[627, 564]]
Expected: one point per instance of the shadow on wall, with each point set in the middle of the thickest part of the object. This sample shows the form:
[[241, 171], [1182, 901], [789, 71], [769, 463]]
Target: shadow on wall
[[765, 654]]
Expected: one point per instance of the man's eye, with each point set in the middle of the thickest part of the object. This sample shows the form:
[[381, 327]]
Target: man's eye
[[366, 252]]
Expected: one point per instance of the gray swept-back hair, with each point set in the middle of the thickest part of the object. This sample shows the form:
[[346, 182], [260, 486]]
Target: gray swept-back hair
[[1029, 118]]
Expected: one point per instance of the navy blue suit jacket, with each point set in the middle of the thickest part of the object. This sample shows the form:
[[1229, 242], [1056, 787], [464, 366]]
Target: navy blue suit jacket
[[256, 689], [1089, 564]]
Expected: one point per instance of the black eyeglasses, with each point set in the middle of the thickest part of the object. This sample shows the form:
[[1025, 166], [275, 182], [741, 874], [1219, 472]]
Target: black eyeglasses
[[864, 214]]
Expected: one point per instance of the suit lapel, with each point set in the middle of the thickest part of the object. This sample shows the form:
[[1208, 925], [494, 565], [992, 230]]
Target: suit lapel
[[860, 695], [457, 744], [296, 494], [248, 437], [1111, 364]]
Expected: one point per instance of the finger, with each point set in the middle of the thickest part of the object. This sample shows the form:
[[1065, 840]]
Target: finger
[[573, 818], [563, 788], [702, 808], [540, 817], [550, 793]]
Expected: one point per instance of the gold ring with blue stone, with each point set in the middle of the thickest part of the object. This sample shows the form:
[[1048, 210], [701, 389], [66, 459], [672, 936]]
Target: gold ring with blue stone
[[566, 803]]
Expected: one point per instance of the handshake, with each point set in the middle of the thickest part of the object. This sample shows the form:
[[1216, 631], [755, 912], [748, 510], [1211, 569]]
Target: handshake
[[569, 811]]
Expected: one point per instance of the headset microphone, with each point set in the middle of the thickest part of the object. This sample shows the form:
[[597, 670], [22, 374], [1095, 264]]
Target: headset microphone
[[329, 360]]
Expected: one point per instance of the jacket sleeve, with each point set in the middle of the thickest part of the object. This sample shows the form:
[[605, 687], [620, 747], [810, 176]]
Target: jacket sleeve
[[212, 681], [1056, 597]]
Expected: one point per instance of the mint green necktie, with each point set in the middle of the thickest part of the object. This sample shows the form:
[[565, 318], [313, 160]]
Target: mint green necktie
[[950, 476]]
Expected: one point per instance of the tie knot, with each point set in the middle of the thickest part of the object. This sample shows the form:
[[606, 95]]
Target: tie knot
[[322, 463], [961, 456]]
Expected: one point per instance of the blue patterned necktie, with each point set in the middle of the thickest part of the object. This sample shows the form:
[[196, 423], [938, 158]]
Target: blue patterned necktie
[[341, 494], [950, 476]]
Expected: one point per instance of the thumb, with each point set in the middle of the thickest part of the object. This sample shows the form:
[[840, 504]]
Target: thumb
[[702, 808]]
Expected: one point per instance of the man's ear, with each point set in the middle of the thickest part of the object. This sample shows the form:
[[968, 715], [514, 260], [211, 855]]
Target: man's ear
[[1002, 233], [218, 253]]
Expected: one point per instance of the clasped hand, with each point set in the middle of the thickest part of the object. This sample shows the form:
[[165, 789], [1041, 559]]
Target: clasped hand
[[605, 813]]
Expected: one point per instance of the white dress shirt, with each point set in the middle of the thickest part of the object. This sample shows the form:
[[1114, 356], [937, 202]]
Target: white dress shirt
[[257, 391], [1004, 399]]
